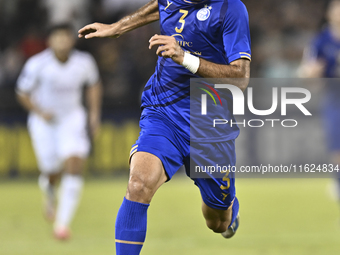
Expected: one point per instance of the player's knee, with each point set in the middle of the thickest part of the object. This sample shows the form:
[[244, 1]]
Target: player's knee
[[74, 165], [73, 171], [139, 190], [218, 226], [53, 178]]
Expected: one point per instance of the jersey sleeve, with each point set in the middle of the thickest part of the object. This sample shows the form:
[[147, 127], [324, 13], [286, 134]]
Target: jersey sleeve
[[92, 72], [236, 34], [28, 78]]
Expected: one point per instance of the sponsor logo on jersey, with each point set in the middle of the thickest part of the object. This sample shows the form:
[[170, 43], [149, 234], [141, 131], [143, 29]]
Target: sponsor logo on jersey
[[182, 42]]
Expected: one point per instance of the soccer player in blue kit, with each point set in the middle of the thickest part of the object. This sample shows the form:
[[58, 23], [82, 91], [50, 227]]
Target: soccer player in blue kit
[[322, 59], [203, 38]]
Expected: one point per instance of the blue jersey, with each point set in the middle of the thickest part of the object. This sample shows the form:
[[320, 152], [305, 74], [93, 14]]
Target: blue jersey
[[326, 48], [215, 30]]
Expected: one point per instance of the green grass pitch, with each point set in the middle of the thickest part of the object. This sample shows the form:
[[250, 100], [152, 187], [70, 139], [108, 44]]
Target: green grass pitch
[[278, 216]]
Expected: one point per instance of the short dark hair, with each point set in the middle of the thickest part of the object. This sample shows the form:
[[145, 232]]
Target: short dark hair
[[62, 26]]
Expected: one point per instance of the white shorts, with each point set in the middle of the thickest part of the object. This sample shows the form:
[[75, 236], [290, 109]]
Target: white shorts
[[55, 142]]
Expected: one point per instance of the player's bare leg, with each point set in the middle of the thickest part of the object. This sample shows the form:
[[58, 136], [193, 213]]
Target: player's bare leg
[[146, 176], [70, 192], [219, 220]]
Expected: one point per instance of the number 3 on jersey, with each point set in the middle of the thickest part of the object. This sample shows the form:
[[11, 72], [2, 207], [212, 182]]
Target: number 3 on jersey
[[182, 21]]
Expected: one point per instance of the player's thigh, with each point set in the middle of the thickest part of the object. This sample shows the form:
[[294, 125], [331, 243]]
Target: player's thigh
[[157, 156], [73, 140], [43, 137], [147, 174], [160, 138], [74, 165]]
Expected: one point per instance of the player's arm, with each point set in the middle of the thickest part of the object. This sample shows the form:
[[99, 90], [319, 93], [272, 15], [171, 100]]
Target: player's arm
[[311, 66], [94, 102], [143, 16], [239, 68], [26, 84], [168, 47], [25, 101]]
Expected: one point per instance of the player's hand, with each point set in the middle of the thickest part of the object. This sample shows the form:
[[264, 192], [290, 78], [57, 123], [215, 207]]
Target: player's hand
[[168, 47], [311, 69], [100, 30], [48, 117]]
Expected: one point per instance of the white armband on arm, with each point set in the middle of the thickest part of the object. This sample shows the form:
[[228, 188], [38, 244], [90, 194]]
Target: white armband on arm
[[191, 62]]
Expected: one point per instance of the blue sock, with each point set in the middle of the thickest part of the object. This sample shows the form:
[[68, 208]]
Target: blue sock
[[235, 209], [131, 227]]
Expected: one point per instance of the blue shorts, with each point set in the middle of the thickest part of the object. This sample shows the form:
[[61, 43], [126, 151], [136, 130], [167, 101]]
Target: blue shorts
[[159, 137]]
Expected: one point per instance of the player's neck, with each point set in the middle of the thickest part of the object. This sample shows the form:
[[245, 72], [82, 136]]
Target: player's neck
[[61, 57]]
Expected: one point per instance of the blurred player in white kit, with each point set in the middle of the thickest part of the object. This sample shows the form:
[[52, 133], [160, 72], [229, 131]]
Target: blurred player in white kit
[[50, 87]]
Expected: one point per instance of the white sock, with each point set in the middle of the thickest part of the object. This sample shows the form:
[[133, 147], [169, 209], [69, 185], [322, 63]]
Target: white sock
[[45, 186], [70, 191]]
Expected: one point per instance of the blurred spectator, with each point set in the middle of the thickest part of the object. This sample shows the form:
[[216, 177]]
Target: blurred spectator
[[10, 64], [279, 30], [32, 43], [113, 8], [62, 11]]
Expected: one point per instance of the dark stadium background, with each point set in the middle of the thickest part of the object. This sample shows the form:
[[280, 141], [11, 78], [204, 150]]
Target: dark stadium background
[[279, 29]]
